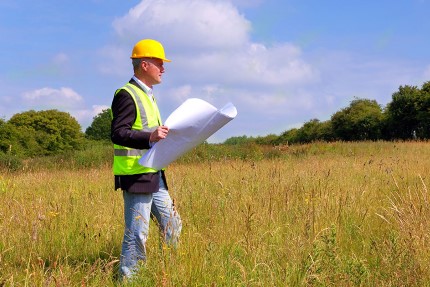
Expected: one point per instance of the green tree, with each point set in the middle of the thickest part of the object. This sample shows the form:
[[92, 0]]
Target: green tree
[[238, 140], [314, 130], [287, 137], [5, 135], [18, 141], [266, 140], [100, 127], [53, 131], [423, 112], [402, 113], [362, 120]]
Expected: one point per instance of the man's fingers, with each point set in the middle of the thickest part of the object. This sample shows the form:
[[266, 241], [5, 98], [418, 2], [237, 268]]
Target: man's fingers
[[159, 133], [162, 131]]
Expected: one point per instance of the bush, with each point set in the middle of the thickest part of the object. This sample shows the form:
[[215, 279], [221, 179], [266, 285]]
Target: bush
[[10, 162]]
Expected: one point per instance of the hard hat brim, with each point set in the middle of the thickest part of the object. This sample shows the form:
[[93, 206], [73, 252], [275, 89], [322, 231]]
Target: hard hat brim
[[140, 57]]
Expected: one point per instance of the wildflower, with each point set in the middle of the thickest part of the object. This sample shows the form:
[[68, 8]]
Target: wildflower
[[165, 247], [53, 213]]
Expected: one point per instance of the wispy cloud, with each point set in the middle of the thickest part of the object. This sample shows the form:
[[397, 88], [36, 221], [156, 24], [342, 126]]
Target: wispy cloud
[[48, 97], [63, 99]]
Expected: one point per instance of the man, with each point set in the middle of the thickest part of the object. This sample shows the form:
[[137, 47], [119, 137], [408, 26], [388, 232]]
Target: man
[[136, 126]]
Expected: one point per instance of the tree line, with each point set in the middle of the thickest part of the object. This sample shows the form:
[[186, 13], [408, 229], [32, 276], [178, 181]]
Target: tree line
[[407, 116]]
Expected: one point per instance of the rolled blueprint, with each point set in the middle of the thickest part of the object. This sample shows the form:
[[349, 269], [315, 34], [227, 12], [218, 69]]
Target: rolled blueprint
[[189, 125]]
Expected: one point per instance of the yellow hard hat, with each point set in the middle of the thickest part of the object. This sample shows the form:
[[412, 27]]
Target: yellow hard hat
[[148, 48]]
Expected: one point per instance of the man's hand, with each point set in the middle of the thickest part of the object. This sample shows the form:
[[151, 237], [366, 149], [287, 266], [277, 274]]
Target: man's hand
[[159, 134]]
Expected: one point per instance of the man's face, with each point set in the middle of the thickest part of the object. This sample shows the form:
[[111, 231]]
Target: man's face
[[154, 69]]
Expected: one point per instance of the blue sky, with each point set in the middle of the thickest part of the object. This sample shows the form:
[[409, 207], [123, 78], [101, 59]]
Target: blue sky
[[281, 63]]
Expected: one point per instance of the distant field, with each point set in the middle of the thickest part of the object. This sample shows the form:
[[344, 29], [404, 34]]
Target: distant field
[[339, 214]]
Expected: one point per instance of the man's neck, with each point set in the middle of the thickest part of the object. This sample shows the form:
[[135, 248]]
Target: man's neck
[[142, 83]]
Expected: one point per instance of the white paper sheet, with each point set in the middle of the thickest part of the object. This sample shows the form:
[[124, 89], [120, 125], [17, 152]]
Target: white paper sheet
[[189, 125]]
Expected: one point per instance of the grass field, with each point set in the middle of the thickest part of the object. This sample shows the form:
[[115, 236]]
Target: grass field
[[325, 214]]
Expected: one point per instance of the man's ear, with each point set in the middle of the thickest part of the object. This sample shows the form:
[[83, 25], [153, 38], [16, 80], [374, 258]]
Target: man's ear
[[144, 65]]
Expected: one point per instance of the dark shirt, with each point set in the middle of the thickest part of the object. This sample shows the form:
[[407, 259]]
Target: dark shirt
[[124, 115]]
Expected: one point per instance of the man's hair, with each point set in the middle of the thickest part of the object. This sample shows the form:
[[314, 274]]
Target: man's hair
[[136, 63]]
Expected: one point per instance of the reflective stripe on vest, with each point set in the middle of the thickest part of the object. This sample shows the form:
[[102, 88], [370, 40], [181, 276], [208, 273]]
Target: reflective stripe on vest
[[147, 119], [143, 117], [129, 152]]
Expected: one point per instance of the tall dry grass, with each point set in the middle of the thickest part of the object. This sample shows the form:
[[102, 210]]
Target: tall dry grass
[[339, 214]]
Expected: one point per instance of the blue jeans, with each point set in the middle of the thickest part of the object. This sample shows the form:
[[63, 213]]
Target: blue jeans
[[137, 212]]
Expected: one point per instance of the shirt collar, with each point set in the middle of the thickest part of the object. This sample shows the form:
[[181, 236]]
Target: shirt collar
[[145, 88]]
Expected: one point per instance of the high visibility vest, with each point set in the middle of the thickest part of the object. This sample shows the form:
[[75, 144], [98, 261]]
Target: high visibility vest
[[147, 119]]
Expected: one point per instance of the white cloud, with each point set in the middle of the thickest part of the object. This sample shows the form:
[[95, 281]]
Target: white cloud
[[212, 45], [86, 116], [253, 64], [97, 109], [187, 24], [181, 93], [63, 98], [209, 47]]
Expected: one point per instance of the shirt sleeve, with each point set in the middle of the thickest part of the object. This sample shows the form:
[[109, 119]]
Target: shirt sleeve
[[124, 115]]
